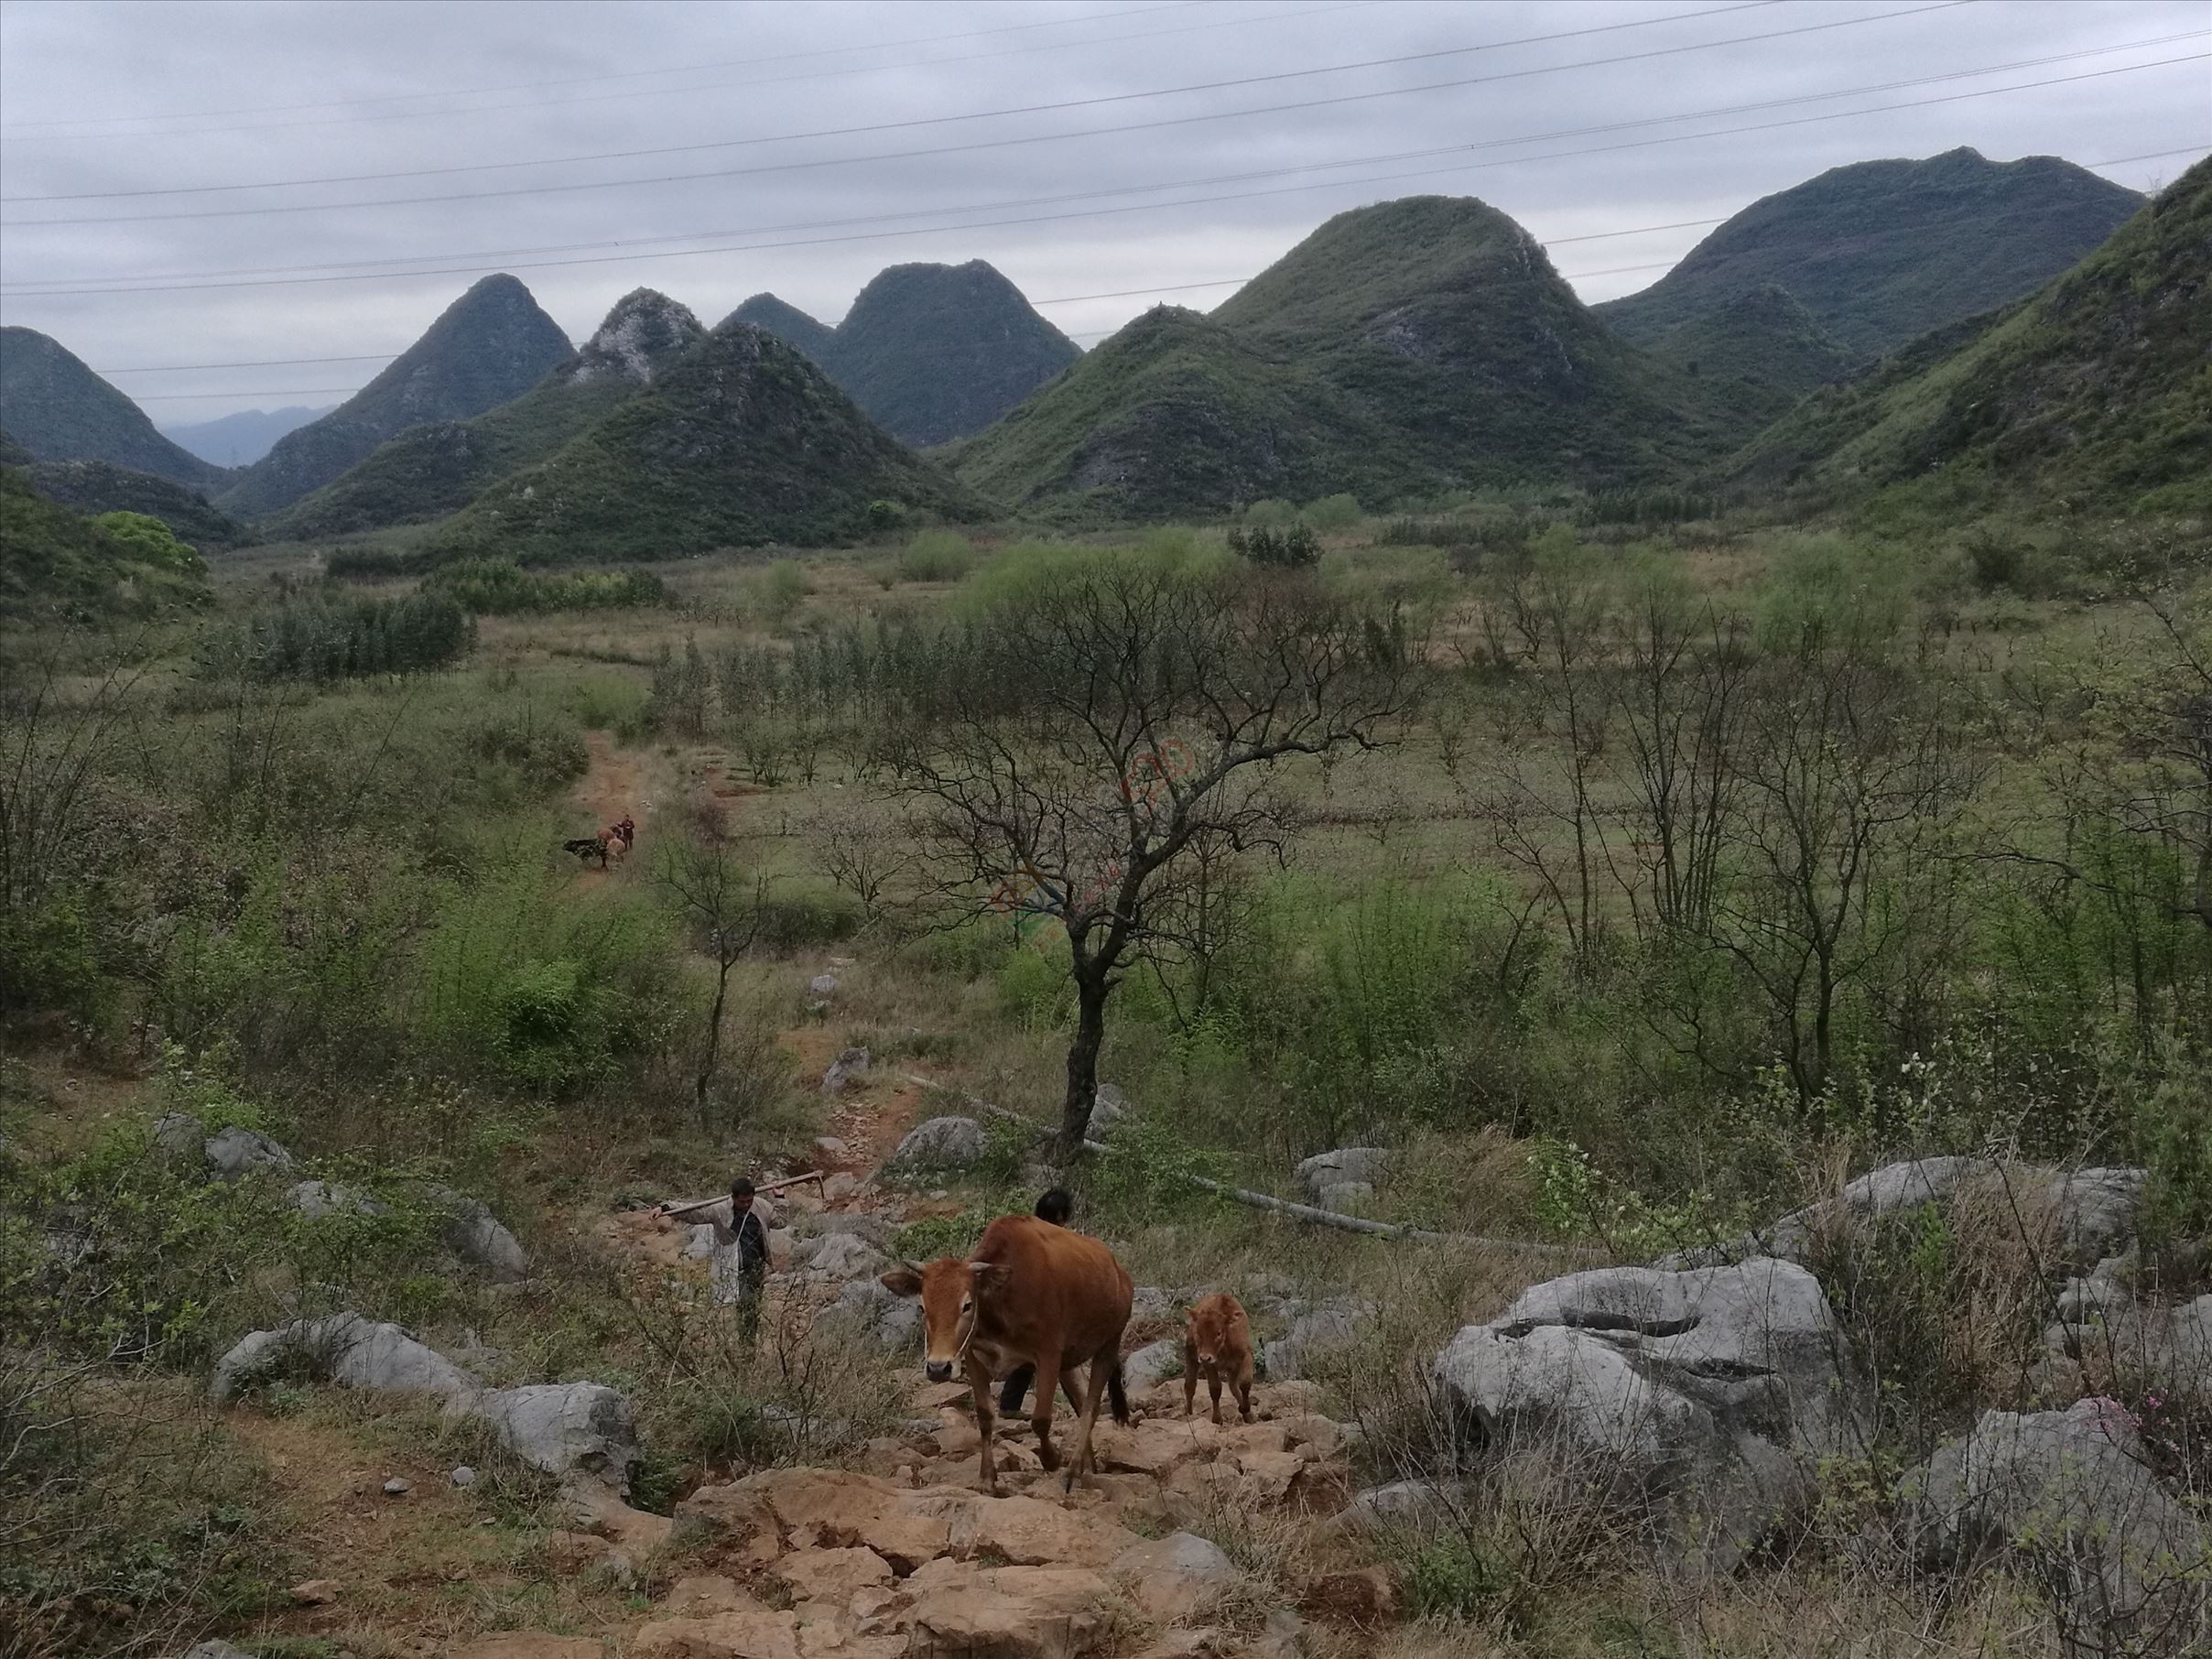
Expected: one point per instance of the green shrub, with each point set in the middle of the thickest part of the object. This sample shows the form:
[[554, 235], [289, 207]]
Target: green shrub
[[323, 639], [500, 587], [1269, 514], [937, 555], [1332, 513], [152, 542]]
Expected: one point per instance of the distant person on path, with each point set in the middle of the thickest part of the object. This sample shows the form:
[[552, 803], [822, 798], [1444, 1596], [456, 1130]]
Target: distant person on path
[[740, 1260], [1057, 1206]]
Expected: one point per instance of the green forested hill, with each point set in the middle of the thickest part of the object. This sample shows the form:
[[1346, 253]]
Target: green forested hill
[[491, 344], [58, 409], [1750, 359], [2097, 390], [1882, 252], [1417, 346], [429, 471], [741, 441], [56, 564], [99, 486], [931, 352]]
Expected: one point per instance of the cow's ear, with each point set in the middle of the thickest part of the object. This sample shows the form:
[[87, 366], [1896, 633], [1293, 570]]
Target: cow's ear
[[988, 1275], [902, 1281]]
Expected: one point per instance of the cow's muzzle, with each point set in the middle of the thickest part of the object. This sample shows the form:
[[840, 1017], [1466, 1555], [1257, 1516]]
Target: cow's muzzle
[[937, 1370]]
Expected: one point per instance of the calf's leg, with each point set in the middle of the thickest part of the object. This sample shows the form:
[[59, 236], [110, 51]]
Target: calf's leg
[[1244, 1388], [1214, 1390], [1190, 1378]]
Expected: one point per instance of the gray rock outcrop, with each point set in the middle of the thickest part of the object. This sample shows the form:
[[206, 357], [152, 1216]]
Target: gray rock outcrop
[[1313, 1333], [845, 1070], [563, 1428], [947, 1143], [1347, 1164], [235, 1153], [1702, 1399], [2071, 1495], [346, 1348], [560, 1427], [1154, 1362]]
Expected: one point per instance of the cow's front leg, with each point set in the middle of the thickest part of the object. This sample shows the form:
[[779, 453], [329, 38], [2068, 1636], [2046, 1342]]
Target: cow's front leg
[[1040, 1419], [1190, 1377], [979, 1380]]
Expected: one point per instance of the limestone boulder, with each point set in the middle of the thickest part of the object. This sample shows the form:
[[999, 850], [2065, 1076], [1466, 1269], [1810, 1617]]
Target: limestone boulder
[[1347, 1164], [319, 1199], [866, 1309], [2071, 1495], [841, 1256], [235, 1153], [845, 1070], [946, 1143], [566, 1427], [1703, 1398], [1312, 1334], [1172, 1577], [1152, 1364], [344, 1349], [474, 1234]]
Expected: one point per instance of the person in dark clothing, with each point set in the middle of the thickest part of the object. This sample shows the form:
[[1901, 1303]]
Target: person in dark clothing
[[740, 1260], [1057, 1206]]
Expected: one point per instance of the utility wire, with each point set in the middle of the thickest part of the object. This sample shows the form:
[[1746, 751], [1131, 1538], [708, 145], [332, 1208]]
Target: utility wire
[[992, 144], [712, 86], [502, 256], [685, 69], [1459, 166], [922, 120]]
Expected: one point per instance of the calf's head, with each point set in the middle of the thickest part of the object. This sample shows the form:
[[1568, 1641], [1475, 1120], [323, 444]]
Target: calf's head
[[953, 1292]]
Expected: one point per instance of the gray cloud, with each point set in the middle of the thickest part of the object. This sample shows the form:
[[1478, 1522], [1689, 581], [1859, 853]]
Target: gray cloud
[[260, 91]]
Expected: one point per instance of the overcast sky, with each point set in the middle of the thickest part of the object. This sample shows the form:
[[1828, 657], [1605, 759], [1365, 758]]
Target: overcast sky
[[114, 104]]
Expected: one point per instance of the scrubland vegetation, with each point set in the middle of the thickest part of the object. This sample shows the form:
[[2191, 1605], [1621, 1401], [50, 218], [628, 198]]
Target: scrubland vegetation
[[1635, 866]]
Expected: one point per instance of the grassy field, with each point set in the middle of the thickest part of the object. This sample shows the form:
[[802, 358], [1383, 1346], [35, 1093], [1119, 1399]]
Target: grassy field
[[1921, 879]]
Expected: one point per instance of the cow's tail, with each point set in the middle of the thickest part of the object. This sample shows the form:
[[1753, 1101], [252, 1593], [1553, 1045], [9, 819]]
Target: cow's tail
[[1116, 1395]]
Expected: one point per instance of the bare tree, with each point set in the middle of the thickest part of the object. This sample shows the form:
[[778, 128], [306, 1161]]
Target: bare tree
[[1852, 773], [1068, 753], [723, 901], [866, 852]]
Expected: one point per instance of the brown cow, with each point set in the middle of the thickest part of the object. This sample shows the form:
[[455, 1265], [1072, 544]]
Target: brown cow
[[1031, 1292], [1217, 1344]]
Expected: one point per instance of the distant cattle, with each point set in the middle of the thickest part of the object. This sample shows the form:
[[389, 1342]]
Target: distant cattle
[[1031, 1292], [1217, 1345], [588, 847]]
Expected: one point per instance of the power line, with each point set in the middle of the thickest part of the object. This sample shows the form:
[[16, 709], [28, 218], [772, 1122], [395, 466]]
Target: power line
[[532, 86], [268, 392], [1460, 167], [709, 86], [922, 120], [1172, 288], [993, 143]]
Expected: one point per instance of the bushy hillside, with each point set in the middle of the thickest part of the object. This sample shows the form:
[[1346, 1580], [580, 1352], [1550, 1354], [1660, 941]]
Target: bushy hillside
[[491, 344], [739, 442], [58, 564], [58, 409], [241, 439], [818, 341], [931, 352], [1882, 252], [429, 471], [1752, 358], [99, 486], [2098, 389], [1174, 415], [1417, 346]]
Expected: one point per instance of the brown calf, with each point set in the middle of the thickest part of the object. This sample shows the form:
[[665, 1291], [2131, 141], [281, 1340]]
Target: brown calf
[[1032, 1293], [1217, 1344]]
